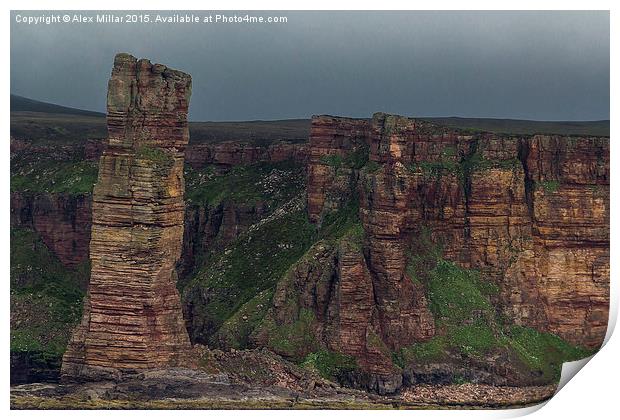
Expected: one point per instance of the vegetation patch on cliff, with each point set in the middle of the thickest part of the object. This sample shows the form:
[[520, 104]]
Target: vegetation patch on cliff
[[289, 338], [41, 175], [548, 187], [290, 330], [371, 167], [457, 294], [449, 164], [270, 183], [354, 159], [46, 302], [330, 365], [340, 222], [236, 330], [459, 300], [250, 265], [427, 351], [542, 352], [435, 169], [156, 155], [289, 327]]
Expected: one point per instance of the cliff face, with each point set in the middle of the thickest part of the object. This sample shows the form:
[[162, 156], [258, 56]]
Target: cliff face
[[526, 220], [332, 142], [530, 212], [569, 190], [132, 313], [208, 228], [239, 153], [62, 220], [216, 214]]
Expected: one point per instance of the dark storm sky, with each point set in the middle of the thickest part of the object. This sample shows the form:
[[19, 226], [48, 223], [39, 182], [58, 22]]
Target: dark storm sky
[[530, 65]]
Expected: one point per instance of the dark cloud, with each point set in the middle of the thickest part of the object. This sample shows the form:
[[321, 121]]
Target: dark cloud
[[532, 65]]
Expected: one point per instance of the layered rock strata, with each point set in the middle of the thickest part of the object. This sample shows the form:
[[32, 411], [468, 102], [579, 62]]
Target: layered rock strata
[[332, 142], [328, 297], [531, 215], [568, 182], [132, 313], [232, 153]]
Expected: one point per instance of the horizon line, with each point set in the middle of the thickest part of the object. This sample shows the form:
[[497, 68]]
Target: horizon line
[[103, 114]]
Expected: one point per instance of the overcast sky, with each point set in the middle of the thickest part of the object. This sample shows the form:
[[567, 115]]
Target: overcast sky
[[529, 65]]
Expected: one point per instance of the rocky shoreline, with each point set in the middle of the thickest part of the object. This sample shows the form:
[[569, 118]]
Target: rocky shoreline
[[218, 394], [257, 379]]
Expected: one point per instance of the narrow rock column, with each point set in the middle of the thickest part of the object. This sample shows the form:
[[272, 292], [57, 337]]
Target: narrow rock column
[[132, 313]]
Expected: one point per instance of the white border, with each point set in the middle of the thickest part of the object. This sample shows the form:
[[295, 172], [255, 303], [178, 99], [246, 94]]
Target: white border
[[592, 395]]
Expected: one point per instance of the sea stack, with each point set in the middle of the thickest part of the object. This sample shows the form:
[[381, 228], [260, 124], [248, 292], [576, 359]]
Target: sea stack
[[132, 318]]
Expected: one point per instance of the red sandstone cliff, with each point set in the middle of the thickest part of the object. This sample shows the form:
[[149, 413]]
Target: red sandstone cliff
[[531, 214], [332, 140], [569, 188]]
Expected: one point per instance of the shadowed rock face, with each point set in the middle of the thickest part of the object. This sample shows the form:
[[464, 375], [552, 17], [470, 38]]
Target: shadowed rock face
[[132, 313], [62, 220]]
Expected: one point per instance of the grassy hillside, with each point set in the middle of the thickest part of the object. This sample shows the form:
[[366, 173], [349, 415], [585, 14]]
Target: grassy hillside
[[20, 104]]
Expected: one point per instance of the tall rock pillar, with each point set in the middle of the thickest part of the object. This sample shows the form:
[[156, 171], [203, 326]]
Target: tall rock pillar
[[132, 313]]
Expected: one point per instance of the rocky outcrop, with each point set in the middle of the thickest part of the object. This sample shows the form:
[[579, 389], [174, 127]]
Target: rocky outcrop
[[531, 213], [132, 313], [328, 298]]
